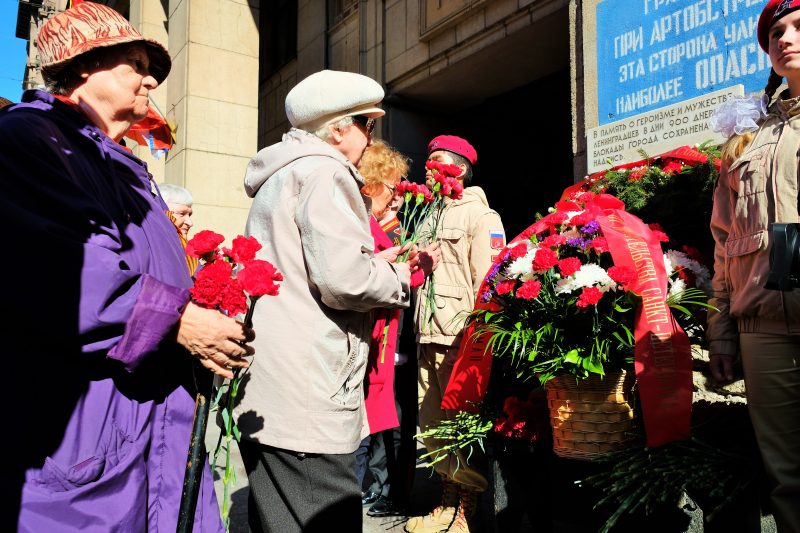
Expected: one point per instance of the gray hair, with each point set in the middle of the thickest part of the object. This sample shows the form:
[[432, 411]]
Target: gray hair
[[324, 132], [175, 194]]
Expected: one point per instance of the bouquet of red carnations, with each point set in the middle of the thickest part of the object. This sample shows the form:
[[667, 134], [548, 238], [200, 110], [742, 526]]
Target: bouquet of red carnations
[[423, 205], [422, 210], [227, 278]]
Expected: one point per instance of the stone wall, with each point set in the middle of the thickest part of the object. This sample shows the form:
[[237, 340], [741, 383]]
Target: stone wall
[[212, 97]]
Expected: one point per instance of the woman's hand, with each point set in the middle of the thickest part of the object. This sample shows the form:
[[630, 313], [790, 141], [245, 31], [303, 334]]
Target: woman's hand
[[429, 258], [721, 367], [215, 339], [391, 254]]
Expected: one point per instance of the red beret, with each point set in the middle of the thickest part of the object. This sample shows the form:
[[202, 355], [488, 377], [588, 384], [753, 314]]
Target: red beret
[[457, 145], [773, 11]]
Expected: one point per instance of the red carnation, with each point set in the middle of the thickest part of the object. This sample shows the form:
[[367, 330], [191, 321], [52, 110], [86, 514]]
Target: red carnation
[[636, 175], [589, 296], [556, 218], [622, 275], [210, 283], [569, 266], [581, 219], [519, 250], [529, 290], [244, 249], [423, 195], [545, 259], [458, 190], [504, 287], [258, 278], [203, 243], [600, 245], [551, 241], [407, 187], [443, 168], [233, 299], [443, 184], [672, 167], [585, 197]]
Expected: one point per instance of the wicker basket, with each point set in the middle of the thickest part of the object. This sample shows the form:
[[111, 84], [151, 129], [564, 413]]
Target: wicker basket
[[593, 417]]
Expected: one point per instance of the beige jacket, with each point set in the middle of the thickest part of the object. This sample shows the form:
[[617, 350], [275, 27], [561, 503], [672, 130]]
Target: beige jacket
[[758, 188], [465, 234], [304, 389]]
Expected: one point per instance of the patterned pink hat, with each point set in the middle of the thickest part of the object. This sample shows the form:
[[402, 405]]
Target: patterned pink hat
[[88, 26]]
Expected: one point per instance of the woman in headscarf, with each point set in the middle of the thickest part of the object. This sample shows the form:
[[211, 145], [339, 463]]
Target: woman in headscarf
[[101, 333]]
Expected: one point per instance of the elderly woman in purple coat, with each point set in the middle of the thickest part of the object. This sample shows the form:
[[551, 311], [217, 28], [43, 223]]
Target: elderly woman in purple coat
[[99, 335]]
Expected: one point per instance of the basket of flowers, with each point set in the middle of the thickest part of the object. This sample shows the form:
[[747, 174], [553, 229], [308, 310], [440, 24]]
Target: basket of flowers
[[583, 302]]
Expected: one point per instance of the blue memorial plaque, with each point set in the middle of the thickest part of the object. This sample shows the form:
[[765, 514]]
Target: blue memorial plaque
[[653, 53]]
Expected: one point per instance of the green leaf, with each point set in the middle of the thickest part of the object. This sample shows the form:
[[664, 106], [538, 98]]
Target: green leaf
[[572, 356]]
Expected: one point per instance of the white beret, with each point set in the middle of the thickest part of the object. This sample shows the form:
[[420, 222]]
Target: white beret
[[329, 95]]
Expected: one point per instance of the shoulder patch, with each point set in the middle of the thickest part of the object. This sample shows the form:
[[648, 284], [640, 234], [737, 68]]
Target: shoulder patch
[[497, 239]]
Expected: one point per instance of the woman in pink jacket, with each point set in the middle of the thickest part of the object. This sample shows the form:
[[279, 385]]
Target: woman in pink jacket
[[382, 168]]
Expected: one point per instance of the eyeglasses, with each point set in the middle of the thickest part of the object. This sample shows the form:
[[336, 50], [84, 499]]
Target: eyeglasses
[[391, 188], [365, 122]]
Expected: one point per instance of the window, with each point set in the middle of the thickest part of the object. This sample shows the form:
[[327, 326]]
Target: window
[[338, 10], [278, 29]]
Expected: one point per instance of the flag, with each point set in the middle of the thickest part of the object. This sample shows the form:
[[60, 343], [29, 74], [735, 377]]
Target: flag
[[154, 132]]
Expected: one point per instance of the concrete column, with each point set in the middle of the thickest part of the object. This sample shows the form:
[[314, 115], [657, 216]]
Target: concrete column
[[212, 97]]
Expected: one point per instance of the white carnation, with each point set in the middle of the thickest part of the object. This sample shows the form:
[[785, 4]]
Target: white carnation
[[674, 259], [522, 268], [589, 275], [677, 287]]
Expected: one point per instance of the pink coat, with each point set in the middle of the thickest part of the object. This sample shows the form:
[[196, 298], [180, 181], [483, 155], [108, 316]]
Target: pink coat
[[379, 382]]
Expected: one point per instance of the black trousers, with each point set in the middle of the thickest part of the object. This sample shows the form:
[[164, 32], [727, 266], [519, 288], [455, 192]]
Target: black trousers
[[296, 492]]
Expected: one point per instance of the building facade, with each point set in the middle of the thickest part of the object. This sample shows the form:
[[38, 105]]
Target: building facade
[[525, 80]]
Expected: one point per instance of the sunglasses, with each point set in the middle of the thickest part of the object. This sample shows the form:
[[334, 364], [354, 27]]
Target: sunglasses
[[367, 123]]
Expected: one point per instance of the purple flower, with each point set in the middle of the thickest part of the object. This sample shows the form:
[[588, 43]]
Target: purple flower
[[590, 227], [494, 270], [577, 242], [486, 296]]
